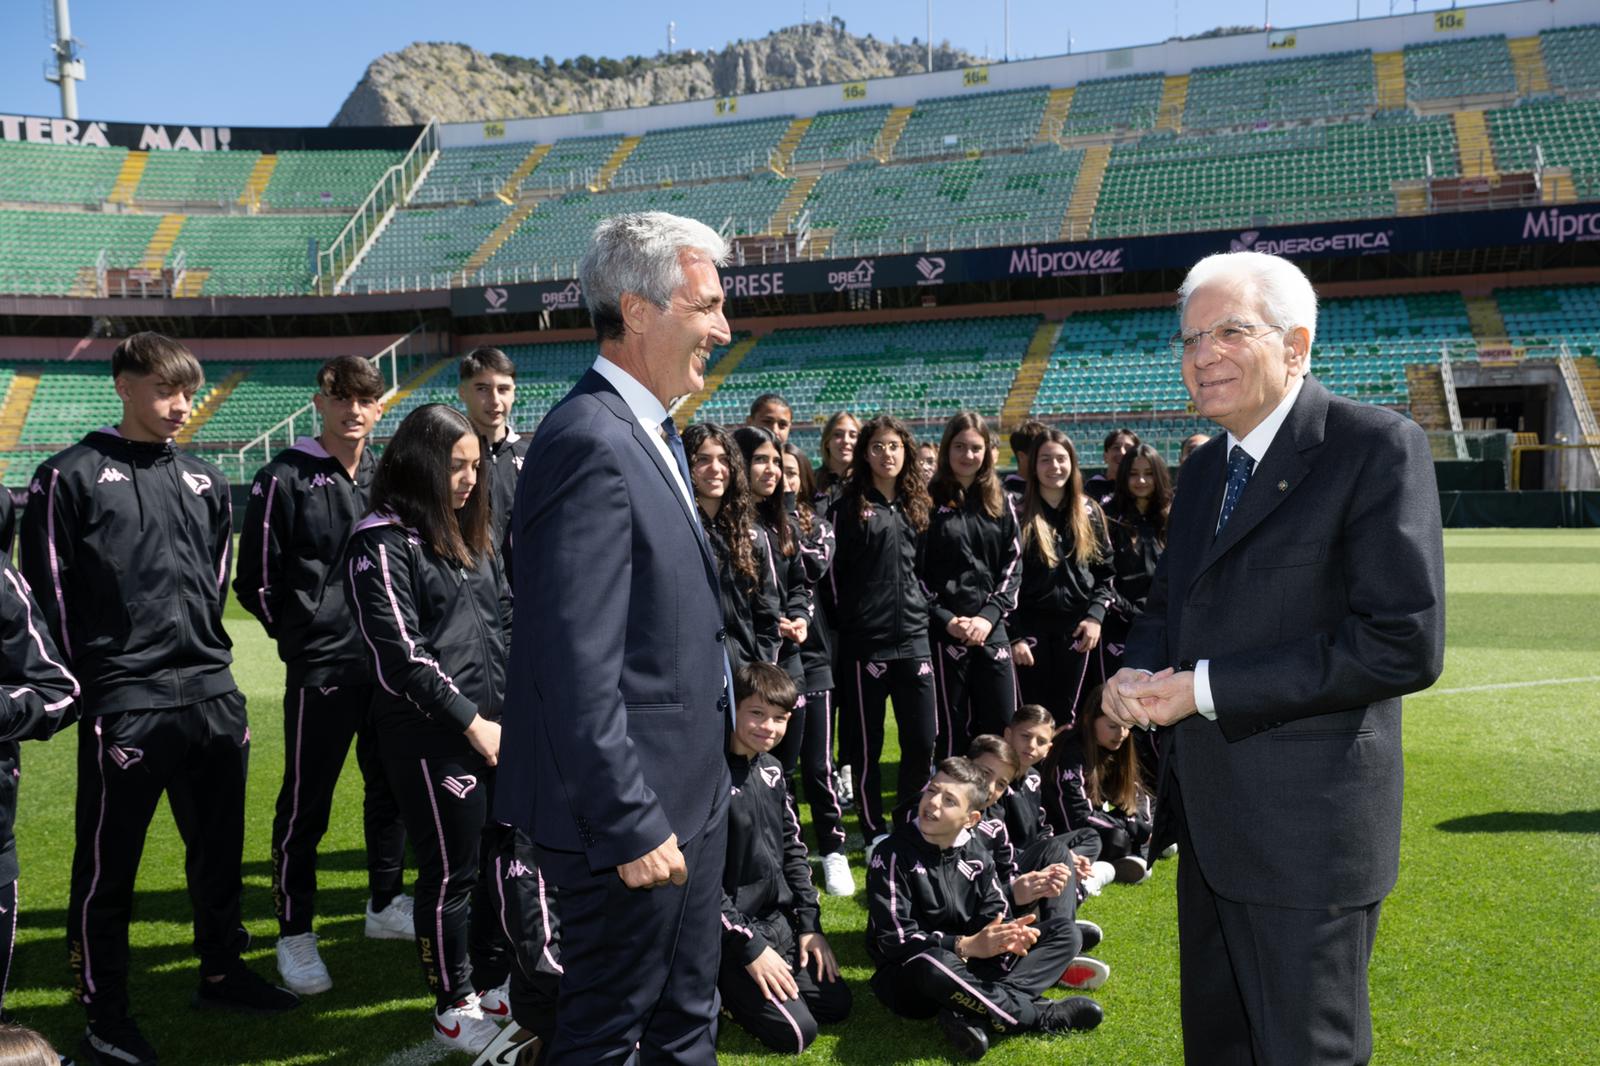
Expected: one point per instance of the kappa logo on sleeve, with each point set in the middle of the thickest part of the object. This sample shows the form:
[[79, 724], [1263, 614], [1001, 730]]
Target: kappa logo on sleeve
[[771, 775], [518, 868], [125, 758], [320, 480], [460, 787], [200, 483], [109, 473], [363, 564], [877, 862], [970, 869]]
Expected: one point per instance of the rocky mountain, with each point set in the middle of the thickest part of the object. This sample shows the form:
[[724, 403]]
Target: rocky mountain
[[455, 83]]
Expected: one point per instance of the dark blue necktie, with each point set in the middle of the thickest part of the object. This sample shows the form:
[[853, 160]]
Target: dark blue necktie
[[675, 445], [1240, 466]]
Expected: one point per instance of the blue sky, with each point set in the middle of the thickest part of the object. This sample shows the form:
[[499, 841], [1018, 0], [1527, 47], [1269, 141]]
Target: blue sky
[[293, 62]]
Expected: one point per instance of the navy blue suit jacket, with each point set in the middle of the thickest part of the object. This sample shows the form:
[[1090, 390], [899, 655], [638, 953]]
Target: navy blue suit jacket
[[1319, 605], [616, 709]]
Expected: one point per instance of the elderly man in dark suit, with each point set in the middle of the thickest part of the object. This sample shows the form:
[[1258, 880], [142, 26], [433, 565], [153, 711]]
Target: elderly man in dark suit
[[612, 754], [1300, 596]]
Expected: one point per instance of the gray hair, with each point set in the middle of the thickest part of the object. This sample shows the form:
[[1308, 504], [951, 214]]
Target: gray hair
[[638, 252], [1285, 293]]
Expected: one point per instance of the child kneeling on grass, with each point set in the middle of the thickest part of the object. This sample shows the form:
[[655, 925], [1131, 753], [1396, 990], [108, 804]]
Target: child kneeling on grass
[[942, 934], [771, 928]]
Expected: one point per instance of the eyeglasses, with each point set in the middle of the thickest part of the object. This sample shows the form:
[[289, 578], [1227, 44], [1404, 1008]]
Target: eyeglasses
[[1227, 337], [886, 447]]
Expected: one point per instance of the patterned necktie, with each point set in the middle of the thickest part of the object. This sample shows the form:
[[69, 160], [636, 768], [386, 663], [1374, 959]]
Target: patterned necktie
[[1240, 466]]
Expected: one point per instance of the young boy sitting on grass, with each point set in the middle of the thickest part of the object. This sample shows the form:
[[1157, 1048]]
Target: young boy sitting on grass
[[771, 929], [1031, 735], [941, 931]]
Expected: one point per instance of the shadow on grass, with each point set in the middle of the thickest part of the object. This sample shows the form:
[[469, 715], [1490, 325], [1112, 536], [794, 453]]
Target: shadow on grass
[[1525, 822]]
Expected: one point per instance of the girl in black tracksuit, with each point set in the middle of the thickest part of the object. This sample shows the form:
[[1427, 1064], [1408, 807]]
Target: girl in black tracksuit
[[1092, 781], [763, 458], [882, 613], [972, 567], [750, 603], [810, 739], [1066, 584], [434, 613], [840, 435]]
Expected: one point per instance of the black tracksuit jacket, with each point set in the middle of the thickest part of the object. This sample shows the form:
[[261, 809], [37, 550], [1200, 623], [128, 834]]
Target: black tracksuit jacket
[[127, 547], [1135, 552], [505, 466], [436, 635], [303, 505], [766, 873], [920, 896], [881, 606], [793, 584], [749, 611], [36, 696], [1063, 595], [1022, 807], [816, 654], [972, 566]]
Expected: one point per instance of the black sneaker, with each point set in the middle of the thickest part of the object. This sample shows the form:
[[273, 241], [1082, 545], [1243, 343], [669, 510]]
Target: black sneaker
[[1091, 936], [115, 1043], [1073, 1013], [242, 990], [965, 1035]]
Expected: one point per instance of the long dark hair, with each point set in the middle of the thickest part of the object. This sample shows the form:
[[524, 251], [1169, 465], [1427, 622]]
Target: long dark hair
[[945, 489], [808, 488], [1126, 506], [737, 512], [770, 510], [1038, 534], [908, 486], [826, 477], [1107, 775], [413, 484]]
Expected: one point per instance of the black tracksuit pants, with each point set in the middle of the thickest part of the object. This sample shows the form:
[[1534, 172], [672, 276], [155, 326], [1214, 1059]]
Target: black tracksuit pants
[[791, 1025], [1060, 678], [868, 685], [809, 743], [444, 801], [198, 756], [1000, 993], [977, 689], [9, 898], [318, 725], [525, 917], [1047, 851]]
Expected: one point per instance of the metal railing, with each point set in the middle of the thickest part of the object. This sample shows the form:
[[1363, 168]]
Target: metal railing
[[344, 251], [1448, 378], [1580, 405]]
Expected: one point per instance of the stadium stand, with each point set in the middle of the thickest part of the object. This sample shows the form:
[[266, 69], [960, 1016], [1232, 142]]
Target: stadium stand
[[1336, 86], [255, 256], [1476, 66], [1107, 105], [848, 134], [325, 179], [44, 253], [417, 246], [57, 174], [269, 392], [195, 177], [975, 122], [469, 175], [1572, 57], [1540, 318], [1565, 134], [74, 398], [573, 163], [695, 153]]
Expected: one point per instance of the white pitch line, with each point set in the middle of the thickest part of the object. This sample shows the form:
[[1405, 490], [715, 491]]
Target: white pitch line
[[423, 1054], [1508, 684]]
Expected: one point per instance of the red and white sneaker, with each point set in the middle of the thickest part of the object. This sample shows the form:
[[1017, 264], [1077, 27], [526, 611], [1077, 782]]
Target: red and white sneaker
[[463, 1027], [1084, 972], [496, 1003]]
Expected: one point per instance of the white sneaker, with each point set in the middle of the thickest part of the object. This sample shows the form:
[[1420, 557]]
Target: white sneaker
[[1132, 870], [872, 845], [394, 922], [1101, 874], [836, 879], [1169, 851], [847, 787], [1084, 972], [496, 1003], [301, 966], [515, 1046], [462, 1026]]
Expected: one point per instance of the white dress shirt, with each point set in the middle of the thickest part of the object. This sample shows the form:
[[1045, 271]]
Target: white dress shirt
[[649, 413], [1255, 444]]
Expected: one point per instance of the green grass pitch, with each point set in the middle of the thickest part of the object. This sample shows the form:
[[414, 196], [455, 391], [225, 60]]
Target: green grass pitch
[[1487, 947]]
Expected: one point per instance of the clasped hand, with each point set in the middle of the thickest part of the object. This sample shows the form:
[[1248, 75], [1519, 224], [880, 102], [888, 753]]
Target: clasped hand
[[1143, 701]]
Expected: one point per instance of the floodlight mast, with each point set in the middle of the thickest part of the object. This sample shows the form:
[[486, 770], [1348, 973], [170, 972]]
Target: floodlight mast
[[69, 67]]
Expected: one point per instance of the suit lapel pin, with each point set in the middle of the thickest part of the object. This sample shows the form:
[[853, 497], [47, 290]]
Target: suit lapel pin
[[1283, 486]]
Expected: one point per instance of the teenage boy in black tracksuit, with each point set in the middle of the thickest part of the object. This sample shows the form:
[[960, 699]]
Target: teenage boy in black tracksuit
[[771, 927], [36, 696], [488, 391], [127, 541], [941, 932], [303, 505]]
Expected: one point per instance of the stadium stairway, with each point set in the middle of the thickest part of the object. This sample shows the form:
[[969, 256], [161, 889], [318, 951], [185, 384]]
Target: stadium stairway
[[417, 381], [1589, 376], [614, 164], [1085, 193], [1391, 71], [1472, 144], [1055, 115], [508, 191], [214, 398], [787, 144], [894, 124], [1488, 327], [192, 283], [1527, 61], [87, 283], [256, 183], [714, 379], [792, 204], [1558, 187], [14, 409], [498, 236], [1411, 197], [1174, 97], [128, 178], [161, 242], [1025, 386], [1425, 389]]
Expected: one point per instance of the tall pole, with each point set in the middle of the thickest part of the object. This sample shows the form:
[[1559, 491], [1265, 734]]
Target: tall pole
[[930, 36], [1008, 31], [69, 68]]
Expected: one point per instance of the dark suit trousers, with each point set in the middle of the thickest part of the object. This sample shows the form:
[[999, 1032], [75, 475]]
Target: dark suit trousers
[[1263, 986], [640, 965]]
